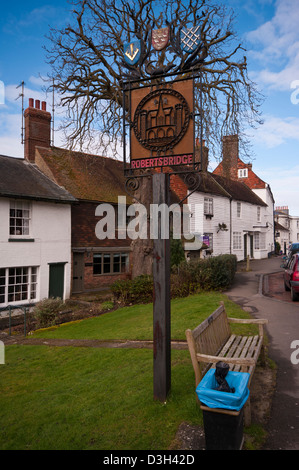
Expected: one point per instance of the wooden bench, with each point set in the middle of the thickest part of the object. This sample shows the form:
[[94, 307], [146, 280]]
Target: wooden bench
[[213, 341]]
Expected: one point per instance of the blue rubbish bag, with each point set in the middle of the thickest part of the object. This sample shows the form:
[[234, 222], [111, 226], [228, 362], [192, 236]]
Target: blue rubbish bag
[[209, 395]]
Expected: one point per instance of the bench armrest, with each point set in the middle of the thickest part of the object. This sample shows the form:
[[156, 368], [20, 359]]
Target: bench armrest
[[251, 321], [232, 360], [258, 321]]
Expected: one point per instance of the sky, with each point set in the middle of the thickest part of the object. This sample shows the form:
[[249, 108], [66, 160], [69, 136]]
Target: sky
[[269, 29]]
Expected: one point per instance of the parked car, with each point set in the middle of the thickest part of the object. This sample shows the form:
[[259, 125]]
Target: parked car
[[291, 276], [293, 248]]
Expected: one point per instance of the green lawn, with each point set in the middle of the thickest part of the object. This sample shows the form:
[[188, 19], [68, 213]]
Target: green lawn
[[92, 398], [136, 322]]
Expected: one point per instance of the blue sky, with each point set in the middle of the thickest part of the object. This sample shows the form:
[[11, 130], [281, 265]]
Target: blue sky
[[270, 32]]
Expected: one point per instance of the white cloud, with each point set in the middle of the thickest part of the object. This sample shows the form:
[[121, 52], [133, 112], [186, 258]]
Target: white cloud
[[276, 131], [284, 185], [10, 137], [276, 45], [38, 81], [12, 94]]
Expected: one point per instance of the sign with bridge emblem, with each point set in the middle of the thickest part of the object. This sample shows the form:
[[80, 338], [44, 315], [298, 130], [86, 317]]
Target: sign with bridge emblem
[[162, 124]]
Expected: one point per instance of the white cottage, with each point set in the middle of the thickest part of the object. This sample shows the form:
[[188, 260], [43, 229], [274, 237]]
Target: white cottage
[[259, 219], [230, 217], [286, 227], [35, 235]]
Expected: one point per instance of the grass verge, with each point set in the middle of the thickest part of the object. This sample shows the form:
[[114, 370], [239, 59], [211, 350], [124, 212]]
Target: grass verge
[[135, 322], [85, 398], [93, 398]]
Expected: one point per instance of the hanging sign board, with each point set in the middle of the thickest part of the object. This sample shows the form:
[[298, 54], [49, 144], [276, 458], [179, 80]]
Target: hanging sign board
[[162, 131]]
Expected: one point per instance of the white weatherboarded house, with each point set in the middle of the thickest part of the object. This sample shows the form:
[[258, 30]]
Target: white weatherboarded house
[[230, 217], [35, 235]]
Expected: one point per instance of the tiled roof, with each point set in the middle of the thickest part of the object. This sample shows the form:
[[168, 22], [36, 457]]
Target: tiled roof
[[280, 227], [19, 178], [252, 181], [219, 186], [85, 176], [239, 190]]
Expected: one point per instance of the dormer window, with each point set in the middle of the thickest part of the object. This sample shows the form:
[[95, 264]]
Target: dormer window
[[243, 173]]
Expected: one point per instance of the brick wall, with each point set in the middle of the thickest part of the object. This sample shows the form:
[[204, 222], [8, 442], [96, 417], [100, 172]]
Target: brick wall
[[83, 228], [178, 186], [83, 236], [98, 281]]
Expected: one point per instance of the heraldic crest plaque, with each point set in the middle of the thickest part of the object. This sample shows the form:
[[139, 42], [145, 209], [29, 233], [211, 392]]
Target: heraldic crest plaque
[[162, 125]]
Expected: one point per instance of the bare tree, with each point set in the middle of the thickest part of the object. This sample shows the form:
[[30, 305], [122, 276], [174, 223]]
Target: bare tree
[[88, 66]]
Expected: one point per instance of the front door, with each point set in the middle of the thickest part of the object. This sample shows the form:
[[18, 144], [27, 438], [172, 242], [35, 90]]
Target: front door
[[78, 271], [56, 280], [251, 246]]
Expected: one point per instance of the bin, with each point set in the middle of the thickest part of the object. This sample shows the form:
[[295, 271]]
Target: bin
[[223, 412]]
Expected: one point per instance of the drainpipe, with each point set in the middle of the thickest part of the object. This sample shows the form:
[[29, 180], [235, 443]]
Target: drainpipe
[[230, 225]]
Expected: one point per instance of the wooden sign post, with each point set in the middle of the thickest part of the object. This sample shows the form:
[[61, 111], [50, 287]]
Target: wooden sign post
[[161, 143], [161, 310]]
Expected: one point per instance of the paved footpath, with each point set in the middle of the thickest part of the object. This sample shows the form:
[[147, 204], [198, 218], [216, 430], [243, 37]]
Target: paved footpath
[[282, 330]]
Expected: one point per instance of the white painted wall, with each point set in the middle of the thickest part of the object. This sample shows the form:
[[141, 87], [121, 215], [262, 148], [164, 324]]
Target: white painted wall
[[294, 229], [226, 212], [50, 228], [268, 215]]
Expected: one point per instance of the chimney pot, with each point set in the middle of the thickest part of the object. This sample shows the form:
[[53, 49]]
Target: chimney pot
[[31, 102], [37, 104], [44, 106]]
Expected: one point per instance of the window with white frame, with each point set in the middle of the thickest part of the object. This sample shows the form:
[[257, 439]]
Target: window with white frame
[[238, 209], [259, 241], [258, 209], [243, 173], [297, 223], [19, 218], [237, 240], [208, 206], [18, 284]]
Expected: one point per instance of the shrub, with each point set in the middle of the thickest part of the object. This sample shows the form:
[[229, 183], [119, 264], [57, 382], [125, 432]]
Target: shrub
[[277, 248], [46, 311], [177, 254], [138, 290], [215, 273]]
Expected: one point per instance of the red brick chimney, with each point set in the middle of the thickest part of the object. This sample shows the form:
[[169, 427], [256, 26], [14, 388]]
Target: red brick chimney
[[230, 156], [37, 128]]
